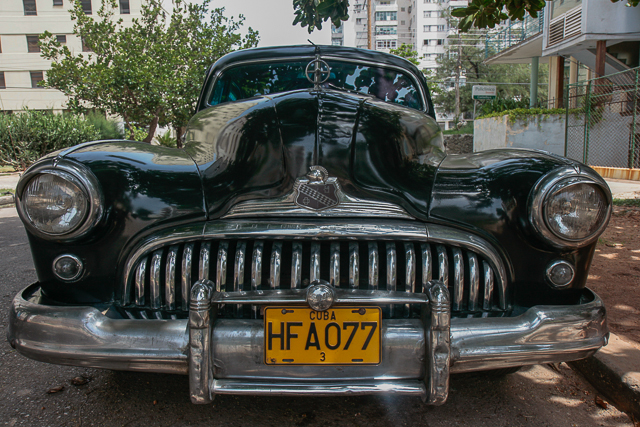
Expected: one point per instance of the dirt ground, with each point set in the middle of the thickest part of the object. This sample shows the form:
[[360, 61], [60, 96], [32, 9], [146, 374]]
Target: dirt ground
[[615, 272]]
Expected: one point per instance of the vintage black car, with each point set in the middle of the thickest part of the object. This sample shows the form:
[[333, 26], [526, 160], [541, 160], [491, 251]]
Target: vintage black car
[[313, 237]]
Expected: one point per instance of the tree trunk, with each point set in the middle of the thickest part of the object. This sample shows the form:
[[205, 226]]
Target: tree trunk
[[180, 130], [152, 129]]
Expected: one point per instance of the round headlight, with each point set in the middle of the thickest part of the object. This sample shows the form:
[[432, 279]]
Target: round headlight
[[570, 208], [575, 212], [55, 204]]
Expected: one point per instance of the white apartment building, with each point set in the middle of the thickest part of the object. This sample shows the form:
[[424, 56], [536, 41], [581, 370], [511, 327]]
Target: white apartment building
[[21, 66], [419, 23]]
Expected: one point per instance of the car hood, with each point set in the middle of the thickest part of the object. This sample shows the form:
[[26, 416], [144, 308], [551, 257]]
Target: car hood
[[257, 148]]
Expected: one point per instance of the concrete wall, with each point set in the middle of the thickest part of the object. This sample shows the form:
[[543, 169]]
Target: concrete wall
[[541, 133]]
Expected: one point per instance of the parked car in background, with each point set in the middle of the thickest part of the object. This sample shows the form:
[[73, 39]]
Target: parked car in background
[[313, 237]]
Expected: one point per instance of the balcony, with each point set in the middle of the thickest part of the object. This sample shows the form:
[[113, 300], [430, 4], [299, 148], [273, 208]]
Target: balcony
[[517, 32]]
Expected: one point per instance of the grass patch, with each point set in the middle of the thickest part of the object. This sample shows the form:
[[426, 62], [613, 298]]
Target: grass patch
[[466, 129], [627, 202], [6, 169], [7, 190]]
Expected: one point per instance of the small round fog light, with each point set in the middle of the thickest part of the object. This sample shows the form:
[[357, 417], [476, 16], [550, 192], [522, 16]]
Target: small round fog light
[[560, 274], [67, 267]]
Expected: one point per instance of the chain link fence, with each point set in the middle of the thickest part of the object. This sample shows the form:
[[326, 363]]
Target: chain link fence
[[602, 120]]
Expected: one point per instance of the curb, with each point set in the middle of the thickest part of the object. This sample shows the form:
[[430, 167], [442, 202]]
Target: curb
[[615, 372]]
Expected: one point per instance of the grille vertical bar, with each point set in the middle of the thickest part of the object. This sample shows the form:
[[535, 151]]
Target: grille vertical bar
[[170, 279], [392, 274], [187, 261], [156, 269], [296, 266], [458, 279], [474, 282], [410, 273], [314, 274], [205, 256], [488, 286], [256, 272], [373, 265], [221, 266], [141, 274], [334, 265], [354, 265], [238, 271], [443, 265], [427, 265], [276, 264]]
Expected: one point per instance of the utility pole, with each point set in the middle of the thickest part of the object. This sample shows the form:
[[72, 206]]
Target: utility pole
[[458, 68], [369, 26]]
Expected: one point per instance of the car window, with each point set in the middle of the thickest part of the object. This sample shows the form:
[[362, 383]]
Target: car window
[[246, 81]]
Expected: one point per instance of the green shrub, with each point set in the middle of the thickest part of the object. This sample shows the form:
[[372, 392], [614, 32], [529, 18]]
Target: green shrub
[[166, 140], [29, 135], [108, 129], [499, 105]]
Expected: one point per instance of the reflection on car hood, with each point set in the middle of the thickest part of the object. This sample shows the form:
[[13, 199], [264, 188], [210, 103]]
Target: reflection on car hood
[[257, 148]]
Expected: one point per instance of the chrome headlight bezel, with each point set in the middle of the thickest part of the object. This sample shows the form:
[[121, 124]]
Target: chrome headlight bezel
[[550, 184], [81, 177]]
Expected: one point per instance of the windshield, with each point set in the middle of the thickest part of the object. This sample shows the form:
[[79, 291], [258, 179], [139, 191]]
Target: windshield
[[247, 81]]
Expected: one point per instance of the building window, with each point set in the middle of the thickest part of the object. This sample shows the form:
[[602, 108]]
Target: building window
[[402, 9], [29, 7], [425, 28], [124, 7], [386, 44], [440, 42], [57, 3], [426, 14], [3, 85], [359, 21], [425, 42], [336, 42], [85, 47], [391, 29], [86, 6], [440, 28], [32, 44], [386, 16], [36, 77], [402, 22], [61, 38]]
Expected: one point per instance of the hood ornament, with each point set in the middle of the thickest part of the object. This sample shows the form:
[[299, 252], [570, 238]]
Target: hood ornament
[[317, 191], [317, 72]]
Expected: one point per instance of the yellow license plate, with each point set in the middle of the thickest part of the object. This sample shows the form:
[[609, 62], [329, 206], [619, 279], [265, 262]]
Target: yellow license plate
[[338, 336]]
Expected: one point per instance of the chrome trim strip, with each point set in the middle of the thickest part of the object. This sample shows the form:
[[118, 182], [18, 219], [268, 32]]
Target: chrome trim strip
[[373, 266], [350, 388], [200, 354], [299, 296], [314, 273], [83, 336], [458, 280], [205, 260], [474, 281], [141, 274], [334, 265], [443, 265], [170, 279], [276, 261], [296, 265], [438, 337], [156, 267], [410, 273], [427, 266], [354, 265], [187, 262], [488, 286], [256, 271], [221, 266]]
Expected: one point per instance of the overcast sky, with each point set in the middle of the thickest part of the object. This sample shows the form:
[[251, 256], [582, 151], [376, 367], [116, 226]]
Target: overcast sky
[[272, 19]]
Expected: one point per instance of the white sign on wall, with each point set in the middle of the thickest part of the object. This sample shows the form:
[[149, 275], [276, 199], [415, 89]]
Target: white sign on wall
[[483, 92]]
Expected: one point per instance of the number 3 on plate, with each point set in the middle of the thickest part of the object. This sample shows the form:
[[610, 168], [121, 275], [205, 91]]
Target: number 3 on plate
[[322, 356]]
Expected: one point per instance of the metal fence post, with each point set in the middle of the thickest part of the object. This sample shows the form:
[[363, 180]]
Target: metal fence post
[[632, 158], [587, 113], [566, 123]]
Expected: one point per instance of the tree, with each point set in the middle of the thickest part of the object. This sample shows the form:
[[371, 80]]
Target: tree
[[406, 51], [465, 52], [149, 73], [313, 13]]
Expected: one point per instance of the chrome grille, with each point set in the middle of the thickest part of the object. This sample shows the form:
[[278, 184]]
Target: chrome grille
[[163, 277]]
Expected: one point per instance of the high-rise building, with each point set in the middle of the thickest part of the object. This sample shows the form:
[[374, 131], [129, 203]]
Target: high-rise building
[[21, 66]]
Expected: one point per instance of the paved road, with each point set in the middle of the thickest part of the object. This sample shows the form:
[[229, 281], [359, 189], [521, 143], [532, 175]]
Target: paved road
[[536, 396]]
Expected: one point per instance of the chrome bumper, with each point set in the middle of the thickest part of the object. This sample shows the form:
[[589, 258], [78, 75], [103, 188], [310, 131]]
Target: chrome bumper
[[225, 356]]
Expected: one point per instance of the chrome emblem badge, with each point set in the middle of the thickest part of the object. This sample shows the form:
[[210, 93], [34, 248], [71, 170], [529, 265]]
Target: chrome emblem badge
[[319, 73], [317, 191], [320, 296]]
